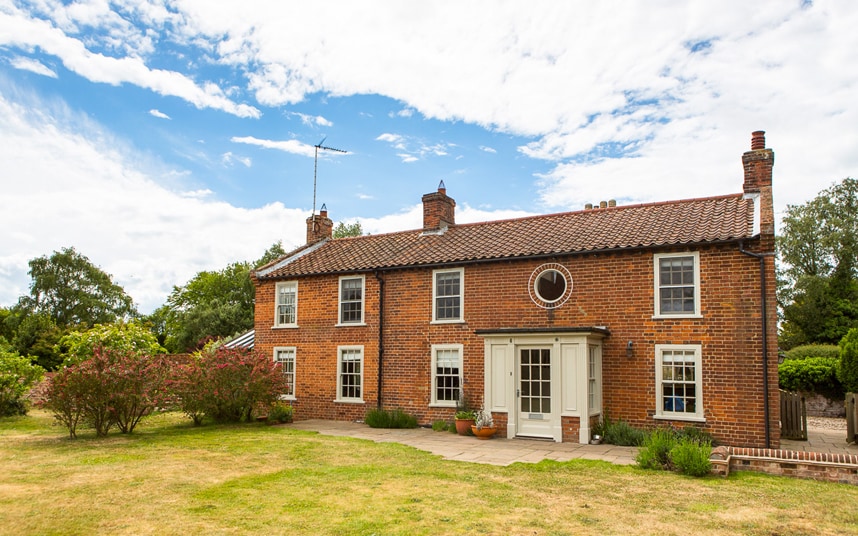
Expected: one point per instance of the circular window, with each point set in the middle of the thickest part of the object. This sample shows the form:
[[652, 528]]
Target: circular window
[[550, 285]]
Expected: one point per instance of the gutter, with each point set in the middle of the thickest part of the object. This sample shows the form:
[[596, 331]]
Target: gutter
[[764, 319], [380, 335]]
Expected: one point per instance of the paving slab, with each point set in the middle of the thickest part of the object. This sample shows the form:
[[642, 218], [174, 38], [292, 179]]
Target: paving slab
[[496, 451]]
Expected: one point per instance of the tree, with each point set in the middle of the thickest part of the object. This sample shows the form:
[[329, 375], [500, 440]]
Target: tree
[[17, 377], [72, 291], [213, 304], [273, 253], [126, 338], [343, 229], [817, 280], [847, 368], [36, 336]]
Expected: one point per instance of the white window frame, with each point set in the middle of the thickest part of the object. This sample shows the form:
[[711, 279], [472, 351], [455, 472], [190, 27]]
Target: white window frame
[[657, 285], [359, 322], [277, 287], [340, 351], [436, 348], [461, 296], [660, 412], [594, 379], [294, 351]]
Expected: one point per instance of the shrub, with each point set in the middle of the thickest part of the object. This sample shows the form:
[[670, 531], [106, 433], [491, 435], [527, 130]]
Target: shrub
[[811, 375], [280, 412], [380, 418], [441, 426], [655, 449], [691, 458], [813, 350], [847, 367], [227, 384], [683, 451], [17, 377], [139, 385], [111, 387], [127, 338], [622, 433], [696, 434]]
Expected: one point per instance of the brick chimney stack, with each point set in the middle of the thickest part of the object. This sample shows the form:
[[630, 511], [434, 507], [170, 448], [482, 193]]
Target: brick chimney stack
[[758, 164], [438, 210], [319, 227]]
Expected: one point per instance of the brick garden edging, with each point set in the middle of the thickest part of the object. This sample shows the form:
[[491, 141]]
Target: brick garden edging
[[842, 468]]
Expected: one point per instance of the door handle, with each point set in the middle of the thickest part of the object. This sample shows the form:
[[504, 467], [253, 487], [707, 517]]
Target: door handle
[[518, 393]]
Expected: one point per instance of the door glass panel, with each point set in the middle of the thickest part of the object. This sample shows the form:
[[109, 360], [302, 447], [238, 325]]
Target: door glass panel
[[535, 377]]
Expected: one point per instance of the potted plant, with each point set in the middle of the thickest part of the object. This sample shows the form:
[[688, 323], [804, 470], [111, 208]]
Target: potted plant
[[465, 418], [484, 425]]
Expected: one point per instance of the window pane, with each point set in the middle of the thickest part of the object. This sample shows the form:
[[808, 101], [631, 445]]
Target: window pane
[[286, 358], [286, 304], [679, 375], [351, 293], [350, 369], [447, 378], [447, 296]]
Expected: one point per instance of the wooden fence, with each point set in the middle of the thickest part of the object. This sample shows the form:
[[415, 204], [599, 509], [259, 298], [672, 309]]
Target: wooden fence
[[793, 416]]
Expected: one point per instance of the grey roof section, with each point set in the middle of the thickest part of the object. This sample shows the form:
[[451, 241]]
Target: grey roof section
[[245, 340]]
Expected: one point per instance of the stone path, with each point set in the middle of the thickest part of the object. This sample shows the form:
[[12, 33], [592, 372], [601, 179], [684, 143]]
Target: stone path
[[508, 451]]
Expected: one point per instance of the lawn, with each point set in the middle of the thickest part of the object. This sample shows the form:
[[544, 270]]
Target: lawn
[[172, 478]]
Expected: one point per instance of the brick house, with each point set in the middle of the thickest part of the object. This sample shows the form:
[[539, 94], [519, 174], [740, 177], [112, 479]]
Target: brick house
[[655, 314]]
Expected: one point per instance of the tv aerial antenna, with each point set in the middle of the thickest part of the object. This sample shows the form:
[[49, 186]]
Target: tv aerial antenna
[[316, 168]]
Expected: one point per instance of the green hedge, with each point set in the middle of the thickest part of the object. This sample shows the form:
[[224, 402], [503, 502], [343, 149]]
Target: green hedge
[[847, 371], [811, 375], [814, 350]]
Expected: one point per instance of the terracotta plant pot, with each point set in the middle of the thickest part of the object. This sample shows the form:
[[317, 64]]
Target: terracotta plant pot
[[483, 433], [463, 426]]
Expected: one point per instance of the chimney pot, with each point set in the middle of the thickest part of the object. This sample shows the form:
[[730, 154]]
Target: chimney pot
[[603, 204], [588, 206], [758, 140], [612, 202]]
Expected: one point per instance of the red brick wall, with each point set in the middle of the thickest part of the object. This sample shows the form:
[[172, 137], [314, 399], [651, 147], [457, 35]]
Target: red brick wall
[[609, 289]]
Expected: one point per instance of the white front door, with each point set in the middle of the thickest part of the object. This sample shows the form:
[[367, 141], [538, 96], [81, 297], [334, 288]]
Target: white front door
[[534, 405]]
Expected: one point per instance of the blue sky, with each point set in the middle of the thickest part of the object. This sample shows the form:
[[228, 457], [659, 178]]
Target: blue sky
[[162, 138]]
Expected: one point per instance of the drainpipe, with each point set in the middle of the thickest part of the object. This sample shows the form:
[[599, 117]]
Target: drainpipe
[[765, 316], [380, 334]]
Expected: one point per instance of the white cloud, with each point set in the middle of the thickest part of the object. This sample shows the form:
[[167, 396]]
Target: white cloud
[[197, 194], [159, 114], [316, 120], [34, 66], [289, 146], [80, 182], [411, 148], [585, 80], [21, 31], [390, 138], [488, 149], [228, 158]]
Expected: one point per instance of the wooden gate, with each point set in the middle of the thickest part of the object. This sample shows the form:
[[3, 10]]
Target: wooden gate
[[793, 416]]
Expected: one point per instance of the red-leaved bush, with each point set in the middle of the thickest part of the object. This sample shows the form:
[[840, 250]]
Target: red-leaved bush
[[110, 388], [227, 384]]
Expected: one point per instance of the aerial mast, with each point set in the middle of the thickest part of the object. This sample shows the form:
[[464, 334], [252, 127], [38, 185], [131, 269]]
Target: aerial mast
[[316, 169]]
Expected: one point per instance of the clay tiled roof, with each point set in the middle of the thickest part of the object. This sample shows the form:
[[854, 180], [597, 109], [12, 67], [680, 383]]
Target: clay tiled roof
[[694, 221]]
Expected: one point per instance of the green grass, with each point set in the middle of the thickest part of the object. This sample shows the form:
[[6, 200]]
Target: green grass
[[172, 478]]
